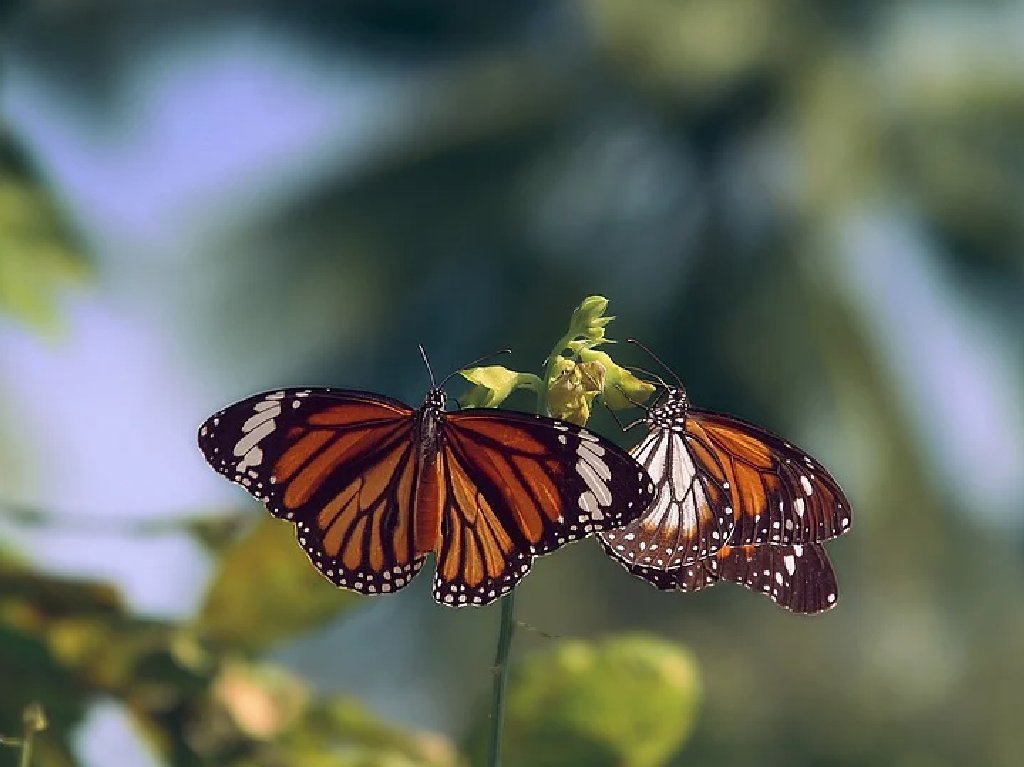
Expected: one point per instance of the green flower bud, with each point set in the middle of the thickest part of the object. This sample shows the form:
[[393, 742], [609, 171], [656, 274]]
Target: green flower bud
[[622, 389], [588, 320], [573, 389], [493, 384]]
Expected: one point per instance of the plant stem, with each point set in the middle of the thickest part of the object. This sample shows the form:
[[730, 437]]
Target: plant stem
[[505, 632], [507, 626], [26, 750]]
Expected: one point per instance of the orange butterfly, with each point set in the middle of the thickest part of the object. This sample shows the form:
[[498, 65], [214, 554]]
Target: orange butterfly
[[731, 501], [373, 485]]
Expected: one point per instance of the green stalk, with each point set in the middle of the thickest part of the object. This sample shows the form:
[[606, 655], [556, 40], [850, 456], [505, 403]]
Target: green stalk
[[505, 632], [507, 626]]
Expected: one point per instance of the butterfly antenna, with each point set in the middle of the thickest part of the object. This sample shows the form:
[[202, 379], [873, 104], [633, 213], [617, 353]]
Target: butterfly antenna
[[657, 378], [657, 359], [423, 354], [474, 363]]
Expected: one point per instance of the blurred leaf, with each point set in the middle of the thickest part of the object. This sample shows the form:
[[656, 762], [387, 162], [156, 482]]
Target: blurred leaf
[[216, 533], [688, 47], [37, 255], [29, 673], [360, 739], [266, 590], [31, 599], [31, 670], [630, 701], [262, 701], [259, 715]]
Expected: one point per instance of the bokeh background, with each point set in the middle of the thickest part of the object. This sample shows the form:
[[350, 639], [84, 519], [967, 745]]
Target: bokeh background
[[813, 211]]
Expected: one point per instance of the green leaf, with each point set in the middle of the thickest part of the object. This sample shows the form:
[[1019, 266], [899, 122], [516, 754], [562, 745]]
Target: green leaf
[[266, 590], [628, 701], [360, 739], [38, 257], [33, 606]]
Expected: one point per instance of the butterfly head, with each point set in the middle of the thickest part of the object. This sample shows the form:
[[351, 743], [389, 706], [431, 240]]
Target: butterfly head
[[436, 399], [670, 410]]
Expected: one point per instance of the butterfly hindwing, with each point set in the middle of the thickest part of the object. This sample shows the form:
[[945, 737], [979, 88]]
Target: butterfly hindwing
[[518, 486], [799, 578], [693, 576], [340, 465]]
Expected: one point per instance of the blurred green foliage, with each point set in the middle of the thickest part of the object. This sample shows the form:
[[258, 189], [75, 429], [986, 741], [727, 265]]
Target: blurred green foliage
[[38, 255], [630, 701], [254, 601], [189, 687], [758, 132], [192, 691]]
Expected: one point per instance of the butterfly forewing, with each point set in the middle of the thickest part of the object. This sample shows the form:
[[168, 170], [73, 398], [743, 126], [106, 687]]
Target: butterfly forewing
[[337, 463], [518, 486], [780, 493], [691, 515]]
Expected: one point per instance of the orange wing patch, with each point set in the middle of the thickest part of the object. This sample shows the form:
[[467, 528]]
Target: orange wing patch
[[780, 494], [304, 448], [519, 486], [345, 449], [478, 541], [527, 485], [744, 447], [516, 440], [356, 413]]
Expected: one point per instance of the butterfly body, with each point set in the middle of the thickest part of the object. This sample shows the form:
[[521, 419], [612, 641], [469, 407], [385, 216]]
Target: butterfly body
[[734, 502], [373, 485], [428, 435]]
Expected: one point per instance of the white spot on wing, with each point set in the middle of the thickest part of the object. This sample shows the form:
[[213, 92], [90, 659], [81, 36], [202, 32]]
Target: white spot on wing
[[790, 561], [252, 458], [588, 501], [252, 438], [594, 471], [264, 414], [806, 485]]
